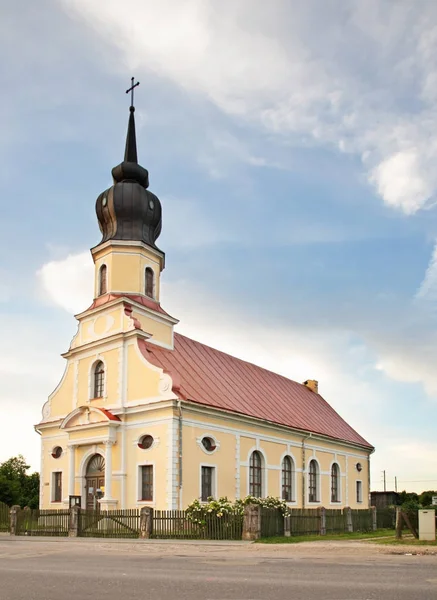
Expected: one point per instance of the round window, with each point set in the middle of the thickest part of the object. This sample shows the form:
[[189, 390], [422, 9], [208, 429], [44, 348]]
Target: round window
[[145, 442], [359, 466], [209, 444], [57, 452]]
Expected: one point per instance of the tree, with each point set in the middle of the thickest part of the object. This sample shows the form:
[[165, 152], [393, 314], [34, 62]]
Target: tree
[[425, 498], [16, 486], [408, 497]]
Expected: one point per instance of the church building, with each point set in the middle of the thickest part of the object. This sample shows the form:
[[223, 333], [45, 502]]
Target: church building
[[144, 416]]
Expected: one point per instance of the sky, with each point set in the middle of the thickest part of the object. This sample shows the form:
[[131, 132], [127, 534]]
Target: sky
[[293, 146]]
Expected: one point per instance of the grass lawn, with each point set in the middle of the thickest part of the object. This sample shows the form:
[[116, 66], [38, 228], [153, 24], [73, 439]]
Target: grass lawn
[[406, 540], [388, 534]]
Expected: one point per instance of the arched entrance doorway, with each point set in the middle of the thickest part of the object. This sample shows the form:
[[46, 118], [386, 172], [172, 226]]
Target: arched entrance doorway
[[95, 480]]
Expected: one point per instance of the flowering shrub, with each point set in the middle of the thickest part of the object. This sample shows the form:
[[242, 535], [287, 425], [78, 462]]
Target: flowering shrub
[[198, 511]]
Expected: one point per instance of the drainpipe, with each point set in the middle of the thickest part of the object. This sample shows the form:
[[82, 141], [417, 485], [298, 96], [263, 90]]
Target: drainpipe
[[180, 454], [303, 467]]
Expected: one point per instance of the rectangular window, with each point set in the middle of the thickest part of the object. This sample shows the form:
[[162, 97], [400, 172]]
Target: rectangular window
[[207, 479], [359, 491], [57, 487], [147, 483]]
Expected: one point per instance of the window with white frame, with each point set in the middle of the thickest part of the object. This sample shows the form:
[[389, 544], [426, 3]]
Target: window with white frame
[[287, 479], [149, 282], [207, 483], [335, 483], [255, 475], [57, 486], [146, 483], [359, 491], [98, 383], [313, 482], [103, 281]]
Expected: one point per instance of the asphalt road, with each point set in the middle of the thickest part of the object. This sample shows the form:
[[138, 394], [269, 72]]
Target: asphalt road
[[61, 571]]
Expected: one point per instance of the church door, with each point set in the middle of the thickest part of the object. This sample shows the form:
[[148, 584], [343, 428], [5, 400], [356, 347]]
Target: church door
[[95, 481]]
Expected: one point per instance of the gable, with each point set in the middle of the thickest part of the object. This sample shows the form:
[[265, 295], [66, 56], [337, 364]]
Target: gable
[[87, 415]]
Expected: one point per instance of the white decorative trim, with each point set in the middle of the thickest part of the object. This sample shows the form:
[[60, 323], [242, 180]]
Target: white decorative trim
[[89, 409], [246, 420], [155, 443], [214, 491], [269, 438], [123, 465], [347, 482], [75, 382], [42, 471], [165, 381], [237, 466], [201, 446], [90, 350], [172, 463]]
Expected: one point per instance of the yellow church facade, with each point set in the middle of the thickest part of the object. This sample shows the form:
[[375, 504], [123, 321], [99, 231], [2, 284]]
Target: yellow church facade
[[144, 416]]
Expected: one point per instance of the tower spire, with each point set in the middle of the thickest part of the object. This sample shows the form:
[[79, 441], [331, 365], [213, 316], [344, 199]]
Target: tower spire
[[130, 154]]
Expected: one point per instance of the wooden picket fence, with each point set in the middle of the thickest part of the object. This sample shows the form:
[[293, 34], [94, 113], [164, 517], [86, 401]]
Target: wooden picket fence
[[304, 521], [109, 523], [177, 524], [4, 517], [272, 522], [362, 520], [202, 525], [43, 522]]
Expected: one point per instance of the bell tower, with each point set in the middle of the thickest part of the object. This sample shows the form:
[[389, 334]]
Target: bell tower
[[128, 263]]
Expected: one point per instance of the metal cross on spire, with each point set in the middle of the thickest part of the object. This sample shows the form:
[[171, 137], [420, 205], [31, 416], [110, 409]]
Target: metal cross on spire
[[131, 90]]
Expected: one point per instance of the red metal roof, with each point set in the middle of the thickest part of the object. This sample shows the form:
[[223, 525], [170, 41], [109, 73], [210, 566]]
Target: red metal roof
[[144, 300], [207, 376], [108, 414]]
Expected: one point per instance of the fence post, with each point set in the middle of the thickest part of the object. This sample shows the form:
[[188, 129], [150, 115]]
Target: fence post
[[252, 522], [398, 523], [146, 522], [287, 526], [322, 513], [374, 518], [13, 515], [73, 521], [349, 524]]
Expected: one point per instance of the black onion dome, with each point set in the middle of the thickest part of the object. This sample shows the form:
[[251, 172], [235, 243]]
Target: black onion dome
[[127, 210]]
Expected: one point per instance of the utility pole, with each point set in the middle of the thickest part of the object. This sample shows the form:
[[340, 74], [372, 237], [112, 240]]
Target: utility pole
[[385, 487], [396, 484]]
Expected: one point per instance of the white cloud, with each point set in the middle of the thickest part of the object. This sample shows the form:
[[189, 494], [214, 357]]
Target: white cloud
[[68, 282], [428, 288], [403, 182], [300, 70]]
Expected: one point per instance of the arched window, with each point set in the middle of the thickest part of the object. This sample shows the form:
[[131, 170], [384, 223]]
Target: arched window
[[103, 285], [99, 379], [335, 483], [255, 475], [149, 282], [313, 483], [287, 479]]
